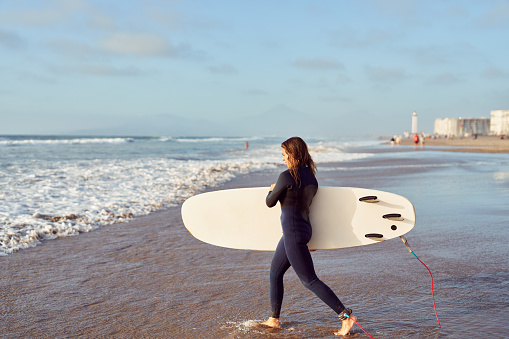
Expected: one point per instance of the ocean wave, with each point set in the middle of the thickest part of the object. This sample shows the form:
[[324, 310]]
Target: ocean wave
[[47, 141], [210, 139], [60, 195], [68, 198]]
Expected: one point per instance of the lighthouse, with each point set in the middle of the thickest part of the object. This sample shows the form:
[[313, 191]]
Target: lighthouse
[[414, 123]]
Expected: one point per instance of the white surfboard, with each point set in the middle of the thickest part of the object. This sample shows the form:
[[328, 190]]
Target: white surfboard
[[340, 217]]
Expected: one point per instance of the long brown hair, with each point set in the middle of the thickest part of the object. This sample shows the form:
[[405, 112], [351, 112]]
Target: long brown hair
[[298, 156]]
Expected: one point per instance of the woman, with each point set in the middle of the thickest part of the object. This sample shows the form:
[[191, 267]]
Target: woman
[[295, 189]]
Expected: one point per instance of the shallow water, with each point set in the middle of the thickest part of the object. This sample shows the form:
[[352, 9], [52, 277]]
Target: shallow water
[[151, 278]]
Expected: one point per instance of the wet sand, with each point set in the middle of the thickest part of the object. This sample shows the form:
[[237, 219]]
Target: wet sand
[[151, 279], [482, 144]]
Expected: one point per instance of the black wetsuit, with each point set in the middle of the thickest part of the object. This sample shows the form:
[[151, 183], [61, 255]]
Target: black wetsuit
[[292, 250]]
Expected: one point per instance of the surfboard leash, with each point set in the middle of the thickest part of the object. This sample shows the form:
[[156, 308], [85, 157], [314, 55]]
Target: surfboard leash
[[432, 289], [416, 257]]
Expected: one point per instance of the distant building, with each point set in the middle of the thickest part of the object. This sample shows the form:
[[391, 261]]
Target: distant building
[[414, 123], [500, 122], [462, 126]]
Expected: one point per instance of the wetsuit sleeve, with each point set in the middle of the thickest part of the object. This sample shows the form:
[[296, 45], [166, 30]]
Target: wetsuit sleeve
[[283, 183]]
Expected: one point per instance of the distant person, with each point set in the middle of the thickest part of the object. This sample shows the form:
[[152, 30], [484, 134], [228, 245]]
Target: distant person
[[247, 145], [393, 141], [295, 189], [422, 141], [398, 140], [416, 140]]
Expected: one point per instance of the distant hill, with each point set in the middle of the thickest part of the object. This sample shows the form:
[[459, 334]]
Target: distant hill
[[278, 121], [156, 125]]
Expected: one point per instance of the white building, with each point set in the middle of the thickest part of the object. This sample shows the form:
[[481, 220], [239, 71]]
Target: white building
[[414, 123], [500, 122], [462, 126]]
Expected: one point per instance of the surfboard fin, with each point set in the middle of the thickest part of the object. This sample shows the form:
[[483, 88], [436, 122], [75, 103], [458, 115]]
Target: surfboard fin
[[393, 217], [375, 236], [369, 198]]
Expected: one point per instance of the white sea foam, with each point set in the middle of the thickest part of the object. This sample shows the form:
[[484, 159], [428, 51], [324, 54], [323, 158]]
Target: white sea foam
[[212, 139], [331, 151], [68, 198], [64, 195], [46, 141], [249, 327]]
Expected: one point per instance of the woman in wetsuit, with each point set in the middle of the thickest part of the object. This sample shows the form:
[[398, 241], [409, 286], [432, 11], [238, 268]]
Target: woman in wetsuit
[[295, 189]]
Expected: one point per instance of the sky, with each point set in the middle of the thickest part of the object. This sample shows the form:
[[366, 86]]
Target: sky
[[357, 67]]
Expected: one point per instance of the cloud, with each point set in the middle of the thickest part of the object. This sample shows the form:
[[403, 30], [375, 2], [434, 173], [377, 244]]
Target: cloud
[[34, 17], [443, 54], [380, 74], [96, 18], [456, 11], [58, 11], [432, 55], [99, 70], [11, 40], [136, 44], [321, 64], [101, 21], [174, 19], [255, 92], [337, 98], [343, 79], [73, 49], [123, 44], [347, 37], [5, 92], [399, 8], [169, 17], [501, 96], [445, 78], [495, 73], [147, 44], [497, 16], [28, 76], [223, 69], [106, 70]]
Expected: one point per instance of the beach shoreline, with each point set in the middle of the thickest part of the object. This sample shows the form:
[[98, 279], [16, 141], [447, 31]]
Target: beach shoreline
[[481, 144]]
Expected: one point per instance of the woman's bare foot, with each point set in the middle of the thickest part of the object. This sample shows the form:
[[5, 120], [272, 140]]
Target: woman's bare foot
[[347, 325], [272, 322]]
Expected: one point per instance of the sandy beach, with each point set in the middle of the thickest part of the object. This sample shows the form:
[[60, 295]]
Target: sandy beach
[[150, 278], [482, 144]]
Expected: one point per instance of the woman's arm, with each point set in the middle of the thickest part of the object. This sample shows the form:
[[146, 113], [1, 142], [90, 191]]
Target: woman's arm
[[283, 182]]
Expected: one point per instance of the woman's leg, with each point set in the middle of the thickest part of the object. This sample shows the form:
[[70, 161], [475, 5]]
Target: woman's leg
[[302, 263], [278, 268]]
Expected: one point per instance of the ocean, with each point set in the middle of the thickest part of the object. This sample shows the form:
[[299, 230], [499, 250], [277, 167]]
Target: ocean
[[57, 186]]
